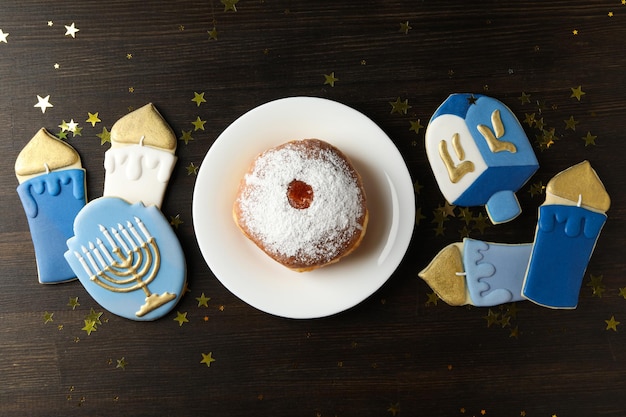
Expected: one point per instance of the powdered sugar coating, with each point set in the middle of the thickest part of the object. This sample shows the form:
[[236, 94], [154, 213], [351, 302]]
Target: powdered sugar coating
[[302, 237]]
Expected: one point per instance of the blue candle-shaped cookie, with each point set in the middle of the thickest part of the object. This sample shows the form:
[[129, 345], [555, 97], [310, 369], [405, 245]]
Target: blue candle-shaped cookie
[[479, 273], [52, 191], [479, 154], [569, 224]]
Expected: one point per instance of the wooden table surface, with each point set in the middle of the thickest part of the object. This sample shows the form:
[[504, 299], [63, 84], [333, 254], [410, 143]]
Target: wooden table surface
[[401, 352]]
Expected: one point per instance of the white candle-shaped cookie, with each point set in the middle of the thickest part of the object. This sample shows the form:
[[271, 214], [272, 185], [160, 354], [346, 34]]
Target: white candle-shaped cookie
[[52, 191], [141, 158], [570, 221]]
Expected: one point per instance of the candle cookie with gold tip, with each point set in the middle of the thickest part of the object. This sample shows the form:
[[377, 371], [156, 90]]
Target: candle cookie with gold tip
[[570, 221], [479, 154], [478, 273], [52, 191], [141, 158]]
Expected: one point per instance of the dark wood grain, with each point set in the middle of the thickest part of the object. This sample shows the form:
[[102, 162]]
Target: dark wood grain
[[394, 349]]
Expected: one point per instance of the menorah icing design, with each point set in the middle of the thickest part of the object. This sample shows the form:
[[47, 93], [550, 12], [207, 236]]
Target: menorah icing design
[[479, 154], [128, 258]]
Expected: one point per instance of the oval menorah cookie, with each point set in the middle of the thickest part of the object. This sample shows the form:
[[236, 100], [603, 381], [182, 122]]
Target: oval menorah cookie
[[128, 258]]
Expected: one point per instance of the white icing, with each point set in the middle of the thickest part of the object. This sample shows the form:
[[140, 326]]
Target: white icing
[[137, 173], [443, 128], [317, 232]]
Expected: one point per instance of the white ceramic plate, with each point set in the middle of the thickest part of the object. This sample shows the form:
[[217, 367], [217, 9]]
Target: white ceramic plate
[[253, 276]]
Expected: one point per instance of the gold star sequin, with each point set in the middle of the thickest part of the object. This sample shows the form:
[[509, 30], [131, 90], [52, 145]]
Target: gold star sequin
[[192, 169], [56, 65], [176, 221], [394, 409], [492, 317], [577, 93], [229, 5], [105, 136], [416, 126], [433, 299], [611, 324], [330, 79], [203, 301], [181, 318], [514, 332], [622, 292], [529, 119], [207, 358], [121, 363], [589, 139], [212, 34], [480, 223], [524, 98], [575, 32], [596, 285], [399, 106], [186, 136], [417, 187], [405, 27], [47, 317], [198, 98], [536, 188], [570, 123], [90, 326], [198, 124], [94, 316], [43, 103], [93, 119], [418, 216], [73, 303], [129, 56]]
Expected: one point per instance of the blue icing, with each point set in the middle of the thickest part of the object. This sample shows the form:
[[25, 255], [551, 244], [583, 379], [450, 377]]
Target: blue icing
[[480, 113], [503, 206], [51, 202], [169, 275], [494, 272], [564, 242], [457, 104]]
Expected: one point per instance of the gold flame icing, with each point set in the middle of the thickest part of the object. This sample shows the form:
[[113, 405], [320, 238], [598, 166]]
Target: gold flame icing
[[45, 153], [144, 126], [578, 185], [444, 275]]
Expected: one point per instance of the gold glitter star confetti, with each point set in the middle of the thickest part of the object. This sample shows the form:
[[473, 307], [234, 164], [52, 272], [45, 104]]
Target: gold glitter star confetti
[[64, 126], [229, 5], [47, 317], [129, 56], [514, 332], [203, 300], [577, 92], [93, 119], [480, 223], [176, 221], [417, 187], [43, 103], [192, 169], [212, 34], [610, 14], [56, 66], [181, 318], [198, 124], [596, 285], [575, 32], [73, 303], [611, 324], [330, 79], [71, 30], [198, 98], [399, 106], [121, 364], [186, 136], [416, 126], [524, 98], [50, 23], [492, 317], [589, 139], [3, 37], [536, 188], [405, 27], [105, 136], [418, 216], [570, 123], [207, 358], [394, 409], [94, 316], [71, 125], [622, 292], [90, 326], [433, 299]]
